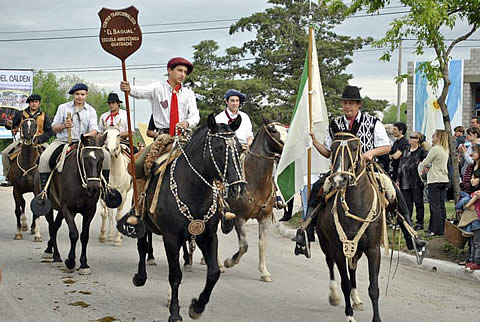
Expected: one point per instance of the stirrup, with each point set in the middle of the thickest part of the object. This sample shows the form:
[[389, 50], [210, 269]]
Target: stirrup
[[302, 245], [129, 230], [420, 253]]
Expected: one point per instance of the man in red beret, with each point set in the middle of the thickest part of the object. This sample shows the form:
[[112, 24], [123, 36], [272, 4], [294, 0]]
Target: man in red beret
[[172, 105]]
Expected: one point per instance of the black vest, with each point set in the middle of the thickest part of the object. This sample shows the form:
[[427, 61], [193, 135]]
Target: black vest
[[363, 128]]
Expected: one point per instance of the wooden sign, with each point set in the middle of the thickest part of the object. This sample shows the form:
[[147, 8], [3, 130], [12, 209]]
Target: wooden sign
[[120, 33]]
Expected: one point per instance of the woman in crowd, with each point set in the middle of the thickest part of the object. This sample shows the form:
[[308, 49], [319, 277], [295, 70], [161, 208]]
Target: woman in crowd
[[409, 181], [472, 230], [437, 180], [466, 186], [465, 149]]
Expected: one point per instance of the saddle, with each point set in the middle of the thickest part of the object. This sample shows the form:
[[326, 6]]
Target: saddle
[[57, 155]]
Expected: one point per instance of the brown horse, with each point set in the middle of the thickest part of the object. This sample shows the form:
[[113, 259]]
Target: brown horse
[[258, 202], [24, 177], [351, 223]]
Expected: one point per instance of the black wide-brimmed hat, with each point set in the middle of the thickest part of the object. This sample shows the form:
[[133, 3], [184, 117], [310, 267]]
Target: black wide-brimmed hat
[[113, 97], [78, 87], [351, 93], [34, 97]]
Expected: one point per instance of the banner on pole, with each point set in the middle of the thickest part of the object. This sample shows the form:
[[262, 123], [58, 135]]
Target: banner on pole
[[15, 87]]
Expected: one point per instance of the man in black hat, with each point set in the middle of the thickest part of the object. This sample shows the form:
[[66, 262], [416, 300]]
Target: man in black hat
[[44, 130], [114, 117], [375, 142]]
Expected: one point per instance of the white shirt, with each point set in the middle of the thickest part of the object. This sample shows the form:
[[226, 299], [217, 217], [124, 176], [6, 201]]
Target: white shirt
[[380, 136], [245, 129], [160, 96], [84, 121], [119, 120]]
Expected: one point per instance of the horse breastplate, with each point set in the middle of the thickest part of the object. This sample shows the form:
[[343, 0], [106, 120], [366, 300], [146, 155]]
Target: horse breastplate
[[364, 129]]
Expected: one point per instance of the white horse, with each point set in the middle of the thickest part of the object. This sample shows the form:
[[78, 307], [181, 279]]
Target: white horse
[[120, 179]]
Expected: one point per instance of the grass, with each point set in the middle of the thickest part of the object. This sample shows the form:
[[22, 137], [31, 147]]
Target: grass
[[440, 249]]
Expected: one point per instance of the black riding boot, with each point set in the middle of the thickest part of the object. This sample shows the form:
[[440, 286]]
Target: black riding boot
[[287, 213], [305, 236]]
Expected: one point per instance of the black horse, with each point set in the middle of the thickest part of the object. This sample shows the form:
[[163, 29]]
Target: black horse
[[24, 177], [76, 190], [351, 223], [187, 206]]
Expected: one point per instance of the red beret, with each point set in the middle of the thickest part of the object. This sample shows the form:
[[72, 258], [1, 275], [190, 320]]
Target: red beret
[[180, 61]]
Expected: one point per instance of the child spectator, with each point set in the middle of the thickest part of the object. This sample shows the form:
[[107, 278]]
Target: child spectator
[[473, 228]]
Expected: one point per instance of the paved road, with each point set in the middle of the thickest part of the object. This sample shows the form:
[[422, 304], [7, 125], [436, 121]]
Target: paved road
[[32, 290]]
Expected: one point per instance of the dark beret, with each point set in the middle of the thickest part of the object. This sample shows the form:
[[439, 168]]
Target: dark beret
[[78, 87], [234, 92]]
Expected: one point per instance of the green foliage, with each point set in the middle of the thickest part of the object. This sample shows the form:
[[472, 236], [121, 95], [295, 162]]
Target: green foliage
[[268, 68], [390, 114], [55, 92], [371, 105]]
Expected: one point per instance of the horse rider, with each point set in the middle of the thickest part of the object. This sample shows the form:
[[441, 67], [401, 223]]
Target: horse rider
[[83, 121], [173, 105], [44, 130], [115, 117], [375, 142], [234, 100]]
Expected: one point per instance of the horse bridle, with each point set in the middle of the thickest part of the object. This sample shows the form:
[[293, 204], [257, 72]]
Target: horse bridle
[[343, 146], [24, 141], [81, 164], [275, 156]]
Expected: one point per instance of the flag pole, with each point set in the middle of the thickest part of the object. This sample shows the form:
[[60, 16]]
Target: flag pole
[[310, 45]]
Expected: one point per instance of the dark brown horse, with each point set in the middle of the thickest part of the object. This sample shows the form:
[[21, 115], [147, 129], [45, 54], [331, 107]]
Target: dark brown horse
[[77, 189], [351, 223], [258, 202], [24, 177]]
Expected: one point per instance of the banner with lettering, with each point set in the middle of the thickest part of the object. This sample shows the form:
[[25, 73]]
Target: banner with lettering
[[15, 87]]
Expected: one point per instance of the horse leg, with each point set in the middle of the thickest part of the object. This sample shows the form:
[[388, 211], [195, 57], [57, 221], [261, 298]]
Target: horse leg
[[357, 302], [117, 239], [209, 248], [140, 277], [150, 257], [112, 223], [48, 253], [53, 226], [187, 258], [23, 217], [172, 246], [373, 255], [262, 248], [102, 237], [242, 243], [18, 213], [84, 236], [36, 230], [333, 296], [73, 234], [346, 285]]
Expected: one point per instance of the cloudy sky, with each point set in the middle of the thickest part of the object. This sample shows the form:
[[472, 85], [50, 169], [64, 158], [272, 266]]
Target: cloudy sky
[[44, 19]]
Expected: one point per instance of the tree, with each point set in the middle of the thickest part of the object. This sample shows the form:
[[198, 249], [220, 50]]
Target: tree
[[390, 114], [425, 22]]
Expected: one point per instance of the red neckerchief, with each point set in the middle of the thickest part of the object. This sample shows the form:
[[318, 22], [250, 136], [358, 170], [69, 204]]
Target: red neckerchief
[[112, 115], [350, 122], [174, 110], [230, 120]]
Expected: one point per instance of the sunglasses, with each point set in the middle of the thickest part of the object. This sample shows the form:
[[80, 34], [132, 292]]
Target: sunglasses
[[414, 137]]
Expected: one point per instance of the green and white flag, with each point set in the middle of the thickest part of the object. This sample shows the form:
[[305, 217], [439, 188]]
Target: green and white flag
[[292, 167]]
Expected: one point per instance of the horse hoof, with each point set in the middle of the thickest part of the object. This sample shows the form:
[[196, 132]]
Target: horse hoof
[[117, 243], [351, 319], [334, 301], [191, 311], [187, 268], [151, 262], [84, 271], [358, 307], [102, 239], [70, 263], [47, 255], [24, 228], [37, 239], [228, 263], [32, 231], [18, 237], [202, 261], [222, 268], [177, 319], [137, 281], [266, 278], [60, 264]]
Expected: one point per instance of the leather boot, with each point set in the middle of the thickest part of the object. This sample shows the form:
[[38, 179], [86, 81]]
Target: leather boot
[[302, 239]]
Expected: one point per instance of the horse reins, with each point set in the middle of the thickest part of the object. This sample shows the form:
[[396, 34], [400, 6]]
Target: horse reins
[[343, 146], [25, 142], [81, 164]]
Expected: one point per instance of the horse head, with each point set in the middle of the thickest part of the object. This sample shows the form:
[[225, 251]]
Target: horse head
[[346, 161], [224, 149], [277, 133], [28, 130], [90, 160], [112, 140]]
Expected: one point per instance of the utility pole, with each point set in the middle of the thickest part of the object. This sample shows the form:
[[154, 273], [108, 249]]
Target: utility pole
[[399, 84]]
